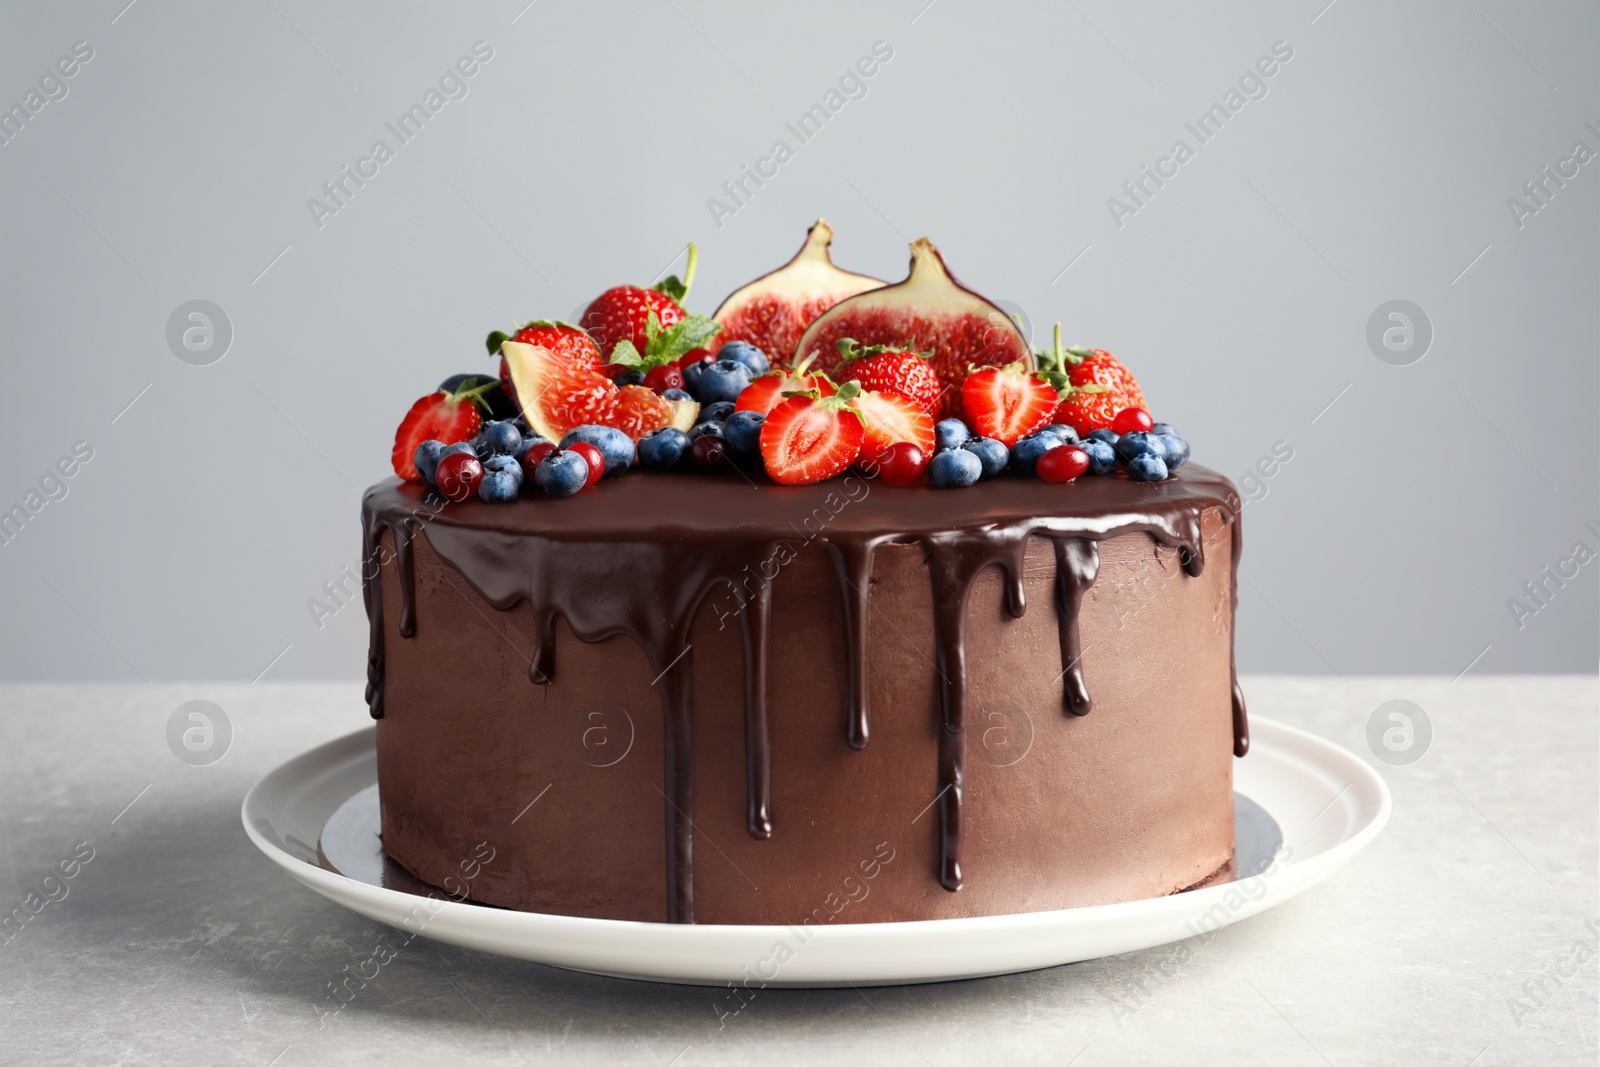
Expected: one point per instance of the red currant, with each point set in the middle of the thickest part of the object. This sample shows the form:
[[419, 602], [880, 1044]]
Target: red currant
[[591, 455], [664, 377], [1130, 419], [1063, 463], [531, 458], [901, 464], [693, 356], [709, 452], [458, 475]]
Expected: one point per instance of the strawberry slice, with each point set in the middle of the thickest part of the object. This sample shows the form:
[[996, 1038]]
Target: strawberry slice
[[888, 418], [556, 394], [766, 392], [1006, 403], [811, 438], [441, 416]]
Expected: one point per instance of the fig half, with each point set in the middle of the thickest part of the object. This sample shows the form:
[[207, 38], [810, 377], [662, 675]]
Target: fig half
[[929, 312], [775, 309]]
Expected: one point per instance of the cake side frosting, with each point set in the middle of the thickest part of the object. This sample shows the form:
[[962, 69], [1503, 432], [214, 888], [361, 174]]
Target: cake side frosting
[[634, 557]]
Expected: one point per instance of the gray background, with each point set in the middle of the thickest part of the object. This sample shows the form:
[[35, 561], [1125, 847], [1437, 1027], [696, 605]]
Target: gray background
[[1377, 167]]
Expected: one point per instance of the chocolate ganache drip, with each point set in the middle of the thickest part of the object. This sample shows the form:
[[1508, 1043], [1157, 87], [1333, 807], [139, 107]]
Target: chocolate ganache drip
[[632, 557]]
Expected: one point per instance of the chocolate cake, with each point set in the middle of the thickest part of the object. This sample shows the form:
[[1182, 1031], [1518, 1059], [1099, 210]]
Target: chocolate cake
[[839, 702], [870, 613]]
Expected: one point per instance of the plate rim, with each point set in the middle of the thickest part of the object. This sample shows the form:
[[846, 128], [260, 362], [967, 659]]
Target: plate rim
[[459, 918]]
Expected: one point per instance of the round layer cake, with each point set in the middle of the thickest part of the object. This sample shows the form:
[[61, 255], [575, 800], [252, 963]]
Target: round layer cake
[[690, 699]]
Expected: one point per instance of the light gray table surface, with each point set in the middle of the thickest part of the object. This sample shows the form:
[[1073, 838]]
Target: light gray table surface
[[1465, 934]]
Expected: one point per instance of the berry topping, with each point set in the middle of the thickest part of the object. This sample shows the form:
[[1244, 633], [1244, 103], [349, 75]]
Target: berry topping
[[991, 453], [458, 475], [501, 438], [1094, 387], [709, 452], [707, 429], [1139, 443], [954, 468], [678, 394], [901, 464], [622, 313], [743, 432], [889, 418], [810, 438], [1177, 450], [426, 458], [1108, 435], [723, 380], [950, 433], [717, 412], [613, 444], [1063, 463], [502, 478], [884, 368], [1026, 452], [1163, 429], [629, 377], [766, 392], [744, 352], [664, 378], [1147, 467], [663, 449], [1006, 403], [1131, 419], [561, 473], [591, 455], [1102, 457], [530, 459], [441, 416]]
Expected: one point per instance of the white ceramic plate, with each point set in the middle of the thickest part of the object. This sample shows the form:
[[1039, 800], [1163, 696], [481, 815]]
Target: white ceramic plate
[[1326, 803]]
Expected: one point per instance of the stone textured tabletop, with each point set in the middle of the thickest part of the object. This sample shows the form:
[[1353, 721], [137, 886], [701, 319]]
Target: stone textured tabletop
[[1466, 934]]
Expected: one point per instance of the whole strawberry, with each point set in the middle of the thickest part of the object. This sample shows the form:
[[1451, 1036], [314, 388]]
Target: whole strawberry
[[887, 369], [1087, 408], [1094, 385], [565, 340], [622, 312], [1096, 366]]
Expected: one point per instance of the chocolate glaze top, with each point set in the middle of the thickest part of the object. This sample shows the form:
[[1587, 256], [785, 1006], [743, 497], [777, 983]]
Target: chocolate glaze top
[[638, 554]]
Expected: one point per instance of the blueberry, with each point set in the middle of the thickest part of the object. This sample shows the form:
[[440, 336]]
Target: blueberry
[[707, 429], [1026, 452], [502, 478], [1109, 436], [743, 431], [991, 454], [954, 468], [1147, 467], [614, 445], [501, 438], [459, 446], [1163, 429], [1102, 457], [691, 377], [676, 394], [1177, 450], [746, 353], [723, 380], [426, 459], [1140, 443], [949, 433], [630, 377], [1066, 433], [561, 473], [717, 412], [529, 439], [663, 449]]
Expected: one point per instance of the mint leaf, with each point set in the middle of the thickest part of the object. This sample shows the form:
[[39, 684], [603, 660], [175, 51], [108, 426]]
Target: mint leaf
[[626, 355]]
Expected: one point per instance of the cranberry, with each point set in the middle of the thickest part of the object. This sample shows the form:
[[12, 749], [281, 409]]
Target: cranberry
[[664, 377], [1130, 419], [901, 464], [709, 452], [591, 455], [458, 475], [1063, 463], [531, 458]]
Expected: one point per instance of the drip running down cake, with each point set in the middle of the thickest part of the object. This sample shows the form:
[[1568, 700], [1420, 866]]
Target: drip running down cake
[[840, 605]]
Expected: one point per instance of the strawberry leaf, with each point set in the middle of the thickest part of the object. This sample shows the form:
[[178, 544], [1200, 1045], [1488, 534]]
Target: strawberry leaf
[[494, 340]]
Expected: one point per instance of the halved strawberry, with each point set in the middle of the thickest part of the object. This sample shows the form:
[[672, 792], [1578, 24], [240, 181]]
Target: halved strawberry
[[810, 438], [441, 416], [1006, 403], [555, 394], [887, 368], [766, 392], [887, 418]]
